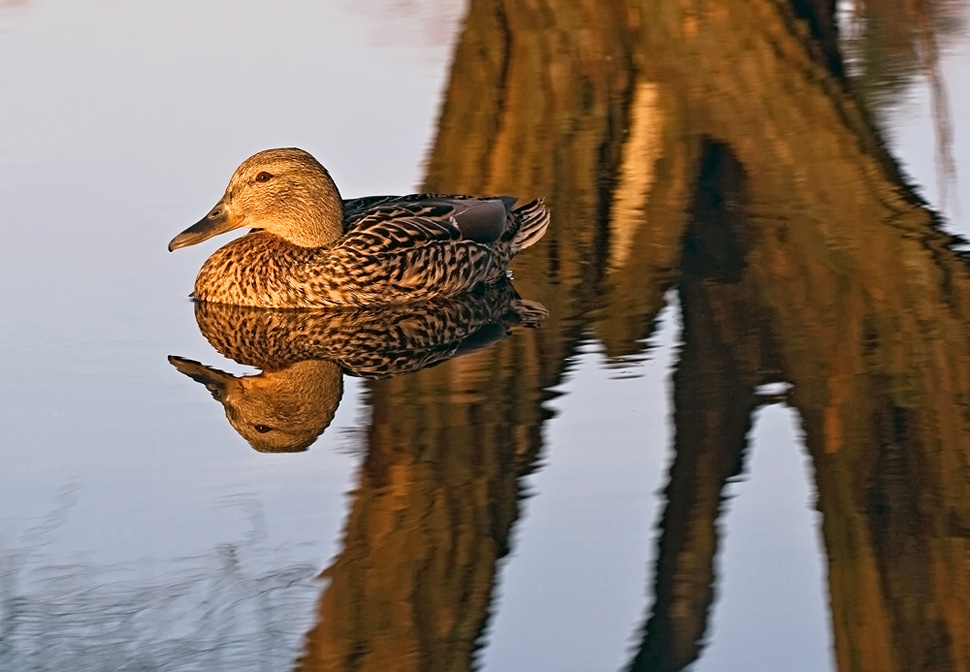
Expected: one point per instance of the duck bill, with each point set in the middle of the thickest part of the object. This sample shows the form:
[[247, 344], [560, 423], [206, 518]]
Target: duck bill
[[219, 220]]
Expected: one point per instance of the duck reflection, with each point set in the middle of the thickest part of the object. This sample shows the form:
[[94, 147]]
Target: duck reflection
[[303, 355]]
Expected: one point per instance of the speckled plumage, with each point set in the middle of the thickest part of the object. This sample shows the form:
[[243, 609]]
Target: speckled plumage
[[303, 354], [368, 342], [312, 249]]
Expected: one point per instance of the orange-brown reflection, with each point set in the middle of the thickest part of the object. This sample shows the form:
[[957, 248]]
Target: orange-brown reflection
[[435, 501], [721, 145], [303, 355]]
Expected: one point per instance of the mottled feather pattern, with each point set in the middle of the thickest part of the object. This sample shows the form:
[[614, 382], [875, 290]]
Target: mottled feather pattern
[[533, 220], [311, 249], [385, 257], [303, 354], [375, 342]]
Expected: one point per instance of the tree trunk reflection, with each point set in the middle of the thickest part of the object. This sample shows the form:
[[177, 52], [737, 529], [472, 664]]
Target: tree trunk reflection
[[716, 145]]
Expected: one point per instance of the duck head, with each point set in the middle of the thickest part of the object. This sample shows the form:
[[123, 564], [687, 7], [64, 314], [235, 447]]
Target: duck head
[[283, 191]]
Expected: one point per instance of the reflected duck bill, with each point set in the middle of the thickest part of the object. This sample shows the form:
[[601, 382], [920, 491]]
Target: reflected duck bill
[[215, 381], [219, 220]]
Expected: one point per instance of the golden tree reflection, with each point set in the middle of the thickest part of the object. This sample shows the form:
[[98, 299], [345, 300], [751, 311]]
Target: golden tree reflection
[[718, 146]]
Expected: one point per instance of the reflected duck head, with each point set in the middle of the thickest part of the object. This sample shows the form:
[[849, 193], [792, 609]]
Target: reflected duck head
[[283, 191], [280, 411]]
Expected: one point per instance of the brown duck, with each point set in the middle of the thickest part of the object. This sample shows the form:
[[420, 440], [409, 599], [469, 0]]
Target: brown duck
[[309, 248]]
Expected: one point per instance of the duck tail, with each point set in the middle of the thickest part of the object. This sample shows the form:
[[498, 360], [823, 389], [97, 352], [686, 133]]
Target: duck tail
[[533, 218]]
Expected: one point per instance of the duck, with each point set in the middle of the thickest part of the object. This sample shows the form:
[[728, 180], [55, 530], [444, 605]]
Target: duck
[[309, 248]]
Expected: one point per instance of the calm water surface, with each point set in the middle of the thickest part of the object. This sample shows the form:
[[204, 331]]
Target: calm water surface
[[753, 373]]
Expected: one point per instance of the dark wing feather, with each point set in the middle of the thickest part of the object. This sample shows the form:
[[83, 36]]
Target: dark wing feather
[[482, 220], [410, 256], [390, 227]]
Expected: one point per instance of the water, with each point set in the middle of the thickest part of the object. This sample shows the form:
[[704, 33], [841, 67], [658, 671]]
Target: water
[[735, 442]]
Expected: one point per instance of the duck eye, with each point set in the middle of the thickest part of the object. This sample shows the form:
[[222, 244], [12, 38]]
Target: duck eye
[[262, 429], [263, 177]]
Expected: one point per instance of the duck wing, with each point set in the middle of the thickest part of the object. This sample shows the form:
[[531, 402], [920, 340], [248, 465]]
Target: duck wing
[[411, 251], [482, 220]]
